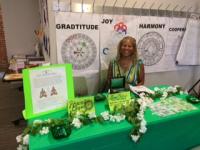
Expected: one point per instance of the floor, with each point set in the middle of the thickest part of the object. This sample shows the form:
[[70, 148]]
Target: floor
[[11, 106]]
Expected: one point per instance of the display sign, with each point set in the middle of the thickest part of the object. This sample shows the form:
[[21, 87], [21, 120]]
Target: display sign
[[47, 89], [77, 38], [117, 101], [81, 106]]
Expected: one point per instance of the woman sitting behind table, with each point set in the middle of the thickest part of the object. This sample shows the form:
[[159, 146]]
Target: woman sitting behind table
[[126, 64]]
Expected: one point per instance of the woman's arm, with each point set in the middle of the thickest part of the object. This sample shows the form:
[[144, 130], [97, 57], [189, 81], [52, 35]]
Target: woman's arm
[[141, 76], [109, 77]]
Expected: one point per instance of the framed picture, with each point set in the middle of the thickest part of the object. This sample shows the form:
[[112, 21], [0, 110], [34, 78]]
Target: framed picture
[[47, 89], [117, 84]]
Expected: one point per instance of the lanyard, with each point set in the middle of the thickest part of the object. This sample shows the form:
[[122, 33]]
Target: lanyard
[[129, 72], [119, 73]]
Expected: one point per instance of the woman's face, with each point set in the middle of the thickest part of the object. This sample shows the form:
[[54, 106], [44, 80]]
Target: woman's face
[[127, 48]]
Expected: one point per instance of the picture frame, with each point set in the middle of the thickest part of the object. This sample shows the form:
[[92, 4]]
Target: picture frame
[[117, 84]]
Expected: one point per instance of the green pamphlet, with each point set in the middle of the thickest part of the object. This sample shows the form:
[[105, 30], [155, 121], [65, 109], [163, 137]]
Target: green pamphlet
[[47, 89], [81, 106]]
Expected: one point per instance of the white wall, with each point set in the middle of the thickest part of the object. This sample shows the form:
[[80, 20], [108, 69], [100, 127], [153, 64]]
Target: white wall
[[20, 19]]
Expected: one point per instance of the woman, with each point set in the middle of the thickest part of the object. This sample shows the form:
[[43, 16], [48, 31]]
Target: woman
[[127, 64]]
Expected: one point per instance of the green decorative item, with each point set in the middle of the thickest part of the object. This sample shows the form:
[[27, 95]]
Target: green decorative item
[[192, 99], [59, 132], [117, 84]]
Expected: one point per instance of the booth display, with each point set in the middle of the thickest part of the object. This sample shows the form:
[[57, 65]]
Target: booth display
[[159, 117], [101, 129]]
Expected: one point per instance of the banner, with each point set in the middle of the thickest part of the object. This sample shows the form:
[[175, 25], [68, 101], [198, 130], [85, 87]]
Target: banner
[[77, 37], [151, 34], [158, 39], [81, 38], [175, 33], [189, 52]]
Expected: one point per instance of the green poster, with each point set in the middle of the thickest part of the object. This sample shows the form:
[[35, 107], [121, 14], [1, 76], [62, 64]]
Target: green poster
[[47, 89]]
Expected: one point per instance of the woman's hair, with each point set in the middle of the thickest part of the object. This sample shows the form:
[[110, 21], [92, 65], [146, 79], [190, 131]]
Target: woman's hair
[[133, 41]]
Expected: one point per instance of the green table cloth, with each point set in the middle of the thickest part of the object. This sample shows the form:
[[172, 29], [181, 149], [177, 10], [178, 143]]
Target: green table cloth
[[175, 132]]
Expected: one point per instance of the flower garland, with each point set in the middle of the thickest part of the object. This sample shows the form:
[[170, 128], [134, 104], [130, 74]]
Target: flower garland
[[164, 92], [43, 127], [134, 113], [144, 101]]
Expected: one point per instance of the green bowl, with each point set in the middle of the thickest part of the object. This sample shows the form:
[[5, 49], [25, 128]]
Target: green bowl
[[192, 99]]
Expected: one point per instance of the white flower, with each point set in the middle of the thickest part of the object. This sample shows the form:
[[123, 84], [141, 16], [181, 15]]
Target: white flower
[[112, 118], [165, 94], [169, 89], [26, 139], [135, 137], [140, 115], [177, 86], [19, 147], [174, 90], [105, 115], [149, 101], [92, 115], [44, 130], [19, 138], [140, 101], [143, 123], [143, 129], [37, 122], [48, 121], [117, 118], [108, 90], [181, 92], [120, 118], [78, 114], [156, 89], [142, 95], [22, 147], [76, 122]]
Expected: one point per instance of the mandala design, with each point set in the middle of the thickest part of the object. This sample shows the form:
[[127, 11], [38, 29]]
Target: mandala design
[[79, 50], [151, 47]]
